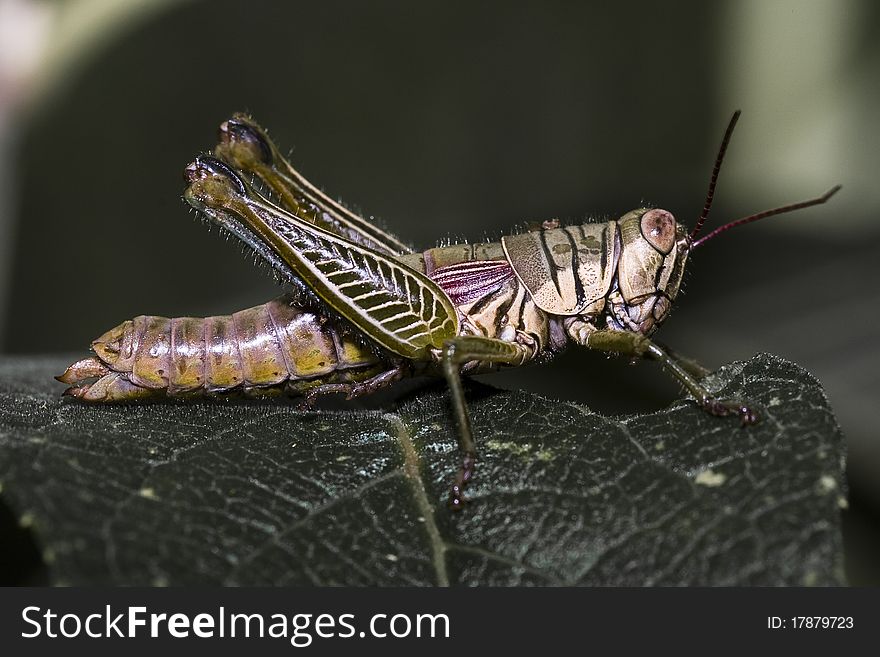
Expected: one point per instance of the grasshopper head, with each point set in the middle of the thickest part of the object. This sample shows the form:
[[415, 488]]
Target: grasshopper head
[[654, 248], [653, 252]]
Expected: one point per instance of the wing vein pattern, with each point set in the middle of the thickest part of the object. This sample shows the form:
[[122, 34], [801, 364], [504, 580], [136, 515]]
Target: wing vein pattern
[[396, 306]]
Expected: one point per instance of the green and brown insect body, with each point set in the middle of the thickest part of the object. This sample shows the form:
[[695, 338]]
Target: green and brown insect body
[[384, 312]]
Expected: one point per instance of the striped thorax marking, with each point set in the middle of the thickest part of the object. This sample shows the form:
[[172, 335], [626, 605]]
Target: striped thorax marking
[[565, 269]]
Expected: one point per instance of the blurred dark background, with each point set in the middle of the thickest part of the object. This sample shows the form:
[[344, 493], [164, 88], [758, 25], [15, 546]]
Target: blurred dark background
[[462, 120]]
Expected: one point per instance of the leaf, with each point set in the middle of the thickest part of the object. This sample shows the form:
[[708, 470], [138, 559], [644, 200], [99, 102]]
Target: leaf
[[254, 493]]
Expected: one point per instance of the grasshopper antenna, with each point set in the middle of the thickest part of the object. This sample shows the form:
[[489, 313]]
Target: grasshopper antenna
[[712, 181], [768, 213], [752, 217]]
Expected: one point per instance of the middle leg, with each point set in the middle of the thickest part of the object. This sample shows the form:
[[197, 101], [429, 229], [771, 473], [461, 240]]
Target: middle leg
[[456, 352]]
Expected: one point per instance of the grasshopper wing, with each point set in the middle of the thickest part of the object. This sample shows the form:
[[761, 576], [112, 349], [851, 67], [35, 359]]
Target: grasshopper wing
[[395, 306], [245, 146]]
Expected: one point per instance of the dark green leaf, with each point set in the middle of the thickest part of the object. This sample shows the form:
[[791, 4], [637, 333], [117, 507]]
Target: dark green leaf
[[243, 493]]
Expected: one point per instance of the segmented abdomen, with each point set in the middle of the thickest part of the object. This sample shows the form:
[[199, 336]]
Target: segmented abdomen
[[260, 347]]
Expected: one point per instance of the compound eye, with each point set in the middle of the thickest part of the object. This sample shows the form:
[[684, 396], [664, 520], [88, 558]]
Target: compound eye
[[658, 227]]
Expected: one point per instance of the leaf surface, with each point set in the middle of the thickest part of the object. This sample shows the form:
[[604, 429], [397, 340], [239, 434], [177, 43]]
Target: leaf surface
[[261, 494]]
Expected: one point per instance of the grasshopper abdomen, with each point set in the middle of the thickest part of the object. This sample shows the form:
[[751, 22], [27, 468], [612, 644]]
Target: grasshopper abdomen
[[274, 347]]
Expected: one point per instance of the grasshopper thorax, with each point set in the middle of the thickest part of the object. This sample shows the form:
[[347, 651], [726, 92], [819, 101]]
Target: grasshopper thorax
[[653, 252]]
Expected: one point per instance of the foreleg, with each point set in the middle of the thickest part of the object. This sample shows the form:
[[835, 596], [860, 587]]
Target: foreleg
[[636, 344]]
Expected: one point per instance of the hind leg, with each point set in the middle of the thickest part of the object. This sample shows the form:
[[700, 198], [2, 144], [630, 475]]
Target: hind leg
[[357, 389]]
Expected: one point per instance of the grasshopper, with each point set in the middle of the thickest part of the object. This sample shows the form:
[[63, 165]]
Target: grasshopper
[[365, 310]]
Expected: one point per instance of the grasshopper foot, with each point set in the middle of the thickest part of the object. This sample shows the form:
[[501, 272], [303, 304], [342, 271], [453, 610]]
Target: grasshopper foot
[[457, 500], [724, 408]]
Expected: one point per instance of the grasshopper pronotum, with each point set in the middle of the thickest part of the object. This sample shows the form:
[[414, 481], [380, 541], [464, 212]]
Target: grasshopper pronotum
[[366, 310]]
